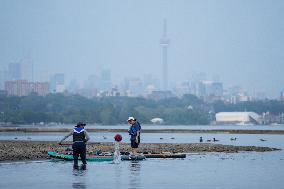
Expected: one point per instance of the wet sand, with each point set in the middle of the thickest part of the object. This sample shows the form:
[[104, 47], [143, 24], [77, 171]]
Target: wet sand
[[35, 150], [227, 131]]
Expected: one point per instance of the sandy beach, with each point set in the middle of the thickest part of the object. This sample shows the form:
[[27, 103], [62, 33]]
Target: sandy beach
[[35, 150]]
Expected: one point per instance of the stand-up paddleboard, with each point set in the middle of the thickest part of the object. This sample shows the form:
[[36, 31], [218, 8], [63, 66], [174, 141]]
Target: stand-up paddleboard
[[68, 157], [132, 157]]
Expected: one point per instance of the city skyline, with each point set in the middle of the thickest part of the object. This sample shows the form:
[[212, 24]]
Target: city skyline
[[239, 41]]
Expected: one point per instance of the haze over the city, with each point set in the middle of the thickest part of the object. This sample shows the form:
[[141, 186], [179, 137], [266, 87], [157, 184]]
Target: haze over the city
[[240, 41]]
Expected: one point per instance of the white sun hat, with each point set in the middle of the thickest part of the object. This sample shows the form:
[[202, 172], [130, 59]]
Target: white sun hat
[[131, 118]]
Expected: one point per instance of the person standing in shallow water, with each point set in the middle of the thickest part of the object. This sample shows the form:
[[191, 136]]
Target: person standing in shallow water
[[80, 137], [134, 132]]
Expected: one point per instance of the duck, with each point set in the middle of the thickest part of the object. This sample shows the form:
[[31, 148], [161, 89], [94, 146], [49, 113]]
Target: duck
[[233, 138], [208, 140], [215, 140], [262, 140], [104, 137], [172, 137], [161, 138]]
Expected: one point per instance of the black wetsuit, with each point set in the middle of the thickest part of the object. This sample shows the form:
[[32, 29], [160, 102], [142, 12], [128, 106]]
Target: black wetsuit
[[79, 145]]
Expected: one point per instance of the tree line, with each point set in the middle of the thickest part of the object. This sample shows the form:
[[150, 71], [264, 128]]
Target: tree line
[[60, 108]]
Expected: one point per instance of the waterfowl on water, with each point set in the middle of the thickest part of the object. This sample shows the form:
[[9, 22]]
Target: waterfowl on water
[[262, 140], [215, 140], [233, 138]]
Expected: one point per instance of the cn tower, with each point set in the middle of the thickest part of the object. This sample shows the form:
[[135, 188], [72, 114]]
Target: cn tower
[[164, 42]]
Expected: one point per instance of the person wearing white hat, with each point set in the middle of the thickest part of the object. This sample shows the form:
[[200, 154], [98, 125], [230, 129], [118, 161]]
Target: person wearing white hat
[[134, 132]]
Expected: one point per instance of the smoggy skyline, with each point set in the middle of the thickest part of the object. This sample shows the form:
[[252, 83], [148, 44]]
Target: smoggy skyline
[[240, 41]]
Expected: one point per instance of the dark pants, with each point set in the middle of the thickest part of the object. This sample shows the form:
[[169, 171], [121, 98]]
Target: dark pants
[[79, 148], [134, 144]]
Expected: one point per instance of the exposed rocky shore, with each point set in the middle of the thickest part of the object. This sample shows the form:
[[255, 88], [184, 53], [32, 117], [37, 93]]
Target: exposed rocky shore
[[34, 150]]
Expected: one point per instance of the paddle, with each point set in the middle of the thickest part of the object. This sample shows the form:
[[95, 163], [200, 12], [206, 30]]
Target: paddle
[[65, 144]]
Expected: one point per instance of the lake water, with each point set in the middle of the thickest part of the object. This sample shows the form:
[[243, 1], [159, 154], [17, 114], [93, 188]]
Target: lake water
[[209, 170], [144, 126], [242, 139], [252, 170]]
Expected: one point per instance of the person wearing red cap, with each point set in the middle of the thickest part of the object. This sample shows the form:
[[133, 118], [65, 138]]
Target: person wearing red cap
[[80, 137]]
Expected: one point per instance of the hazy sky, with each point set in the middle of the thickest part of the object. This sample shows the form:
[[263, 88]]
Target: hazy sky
[[242, 41]]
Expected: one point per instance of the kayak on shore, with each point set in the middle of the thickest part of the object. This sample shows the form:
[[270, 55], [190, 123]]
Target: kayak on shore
[[69, 157]]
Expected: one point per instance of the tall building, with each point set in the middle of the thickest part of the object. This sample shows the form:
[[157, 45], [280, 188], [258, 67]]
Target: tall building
[[282, 96], [150, 80], [15, 71], [164, 42], [57, 83], [24, 88], [210, 88], [134, 86], [105, 80]]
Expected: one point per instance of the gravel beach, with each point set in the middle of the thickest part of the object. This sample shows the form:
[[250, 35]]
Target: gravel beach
[[35, 150]]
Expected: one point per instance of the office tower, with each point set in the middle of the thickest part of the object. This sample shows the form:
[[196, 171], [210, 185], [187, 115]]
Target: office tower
[[57, 83]]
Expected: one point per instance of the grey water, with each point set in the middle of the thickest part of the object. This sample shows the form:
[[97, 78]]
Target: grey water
[[208, 170], [254, 170], [242, 139], [158, 127]]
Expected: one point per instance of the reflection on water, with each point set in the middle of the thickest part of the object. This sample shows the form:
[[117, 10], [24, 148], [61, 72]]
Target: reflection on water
[[79, 179], [135, 179], [79, 185]]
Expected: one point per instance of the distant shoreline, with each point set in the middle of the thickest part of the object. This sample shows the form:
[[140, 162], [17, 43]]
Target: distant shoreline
[[37, 150], [222, 131]]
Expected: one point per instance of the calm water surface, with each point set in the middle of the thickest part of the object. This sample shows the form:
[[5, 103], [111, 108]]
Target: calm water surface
[[144, 126], [209, 170], [242, 139], [200, 170]]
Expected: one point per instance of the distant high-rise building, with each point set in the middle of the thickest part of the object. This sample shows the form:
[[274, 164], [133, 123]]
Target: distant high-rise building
[[15, 71], [183, 88], [164, 42], [210, 88], [57, 83], [105, 80], [24, 88], [27, 69], [149, 79], [134, 86], [282, 96]]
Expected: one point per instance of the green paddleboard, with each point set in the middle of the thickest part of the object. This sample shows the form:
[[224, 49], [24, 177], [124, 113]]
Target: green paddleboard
[[88, 158]]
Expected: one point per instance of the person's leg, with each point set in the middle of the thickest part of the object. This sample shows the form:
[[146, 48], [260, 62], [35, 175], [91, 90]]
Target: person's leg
[[75, 155], [82, 153], [134, 146]]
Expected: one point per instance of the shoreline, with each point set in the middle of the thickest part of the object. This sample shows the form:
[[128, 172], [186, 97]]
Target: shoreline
[[222, 131], [37, 150]]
